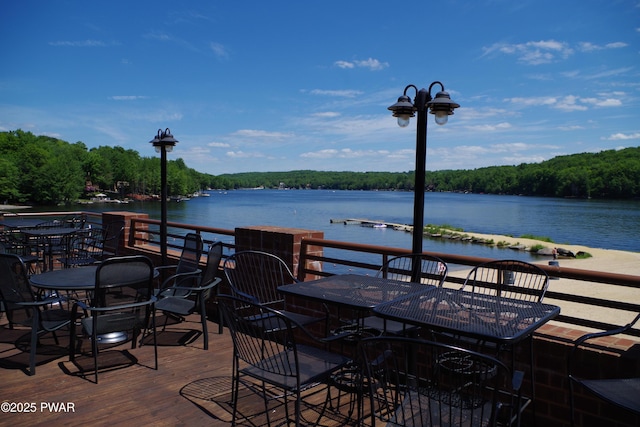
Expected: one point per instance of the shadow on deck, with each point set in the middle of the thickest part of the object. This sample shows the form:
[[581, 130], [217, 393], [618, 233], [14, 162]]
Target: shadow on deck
[[191, 387]]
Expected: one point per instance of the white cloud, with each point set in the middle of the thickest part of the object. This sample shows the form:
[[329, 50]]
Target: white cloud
[[344, 153], [327, 114], [490, 128], [219, 50], [623, 137], [127, 97], [533, 52], [244, 155], [218, 145], [371, 63], [566, 103], [338, 93], [83, 43], [253, 133], [590, 47]]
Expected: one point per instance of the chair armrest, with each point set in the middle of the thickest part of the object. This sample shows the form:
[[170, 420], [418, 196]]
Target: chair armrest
[[40, 303], [616, 331], [179, 278], [579, 341], [150, 301], [214, 283], [165, 267], [323, 340]]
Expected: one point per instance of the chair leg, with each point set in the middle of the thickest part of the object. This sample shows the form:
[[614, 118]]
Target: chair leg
[[34, 343], [203, 320]]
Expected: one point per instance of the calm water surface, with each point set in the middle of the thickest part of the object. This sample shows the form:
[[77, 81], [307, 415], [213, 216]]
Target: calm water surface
[[593, 223]]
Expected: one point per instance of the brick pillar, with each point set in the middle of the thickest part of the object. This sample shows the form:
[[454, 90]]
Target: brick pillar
[[109, 217], [281, 241]]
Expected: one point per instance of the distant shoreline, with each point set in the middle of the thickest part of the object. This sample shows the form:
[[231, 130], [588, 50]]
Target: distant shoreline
[[13, 207]]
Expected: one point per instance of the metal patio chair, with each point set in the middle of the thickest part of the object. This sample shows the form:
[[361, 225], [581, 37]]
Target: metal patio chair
[[622, 391], [22, 307], [256, 275], [418, 383], [186, 296], [119, 310], [267, 356], [428, 269]]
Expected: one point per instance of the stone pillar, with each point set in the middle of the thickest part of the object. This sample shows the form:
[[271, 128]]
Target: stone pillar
[[283, 242]]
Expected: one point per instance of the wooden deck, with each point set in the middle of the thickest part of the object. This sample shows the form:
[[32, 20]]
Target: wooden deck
[[191, 387]]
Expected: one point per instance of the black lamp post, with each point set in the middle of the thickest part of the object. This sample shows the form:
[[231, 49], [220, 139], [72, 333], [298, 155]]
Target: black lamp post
[[442, 107], [163, 142]]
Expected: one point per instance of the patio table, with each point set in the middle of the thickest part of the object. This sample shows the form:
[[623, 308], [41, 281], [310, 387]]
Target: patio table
[[46, 235], [18, 222], [485, 317], [352, 291]]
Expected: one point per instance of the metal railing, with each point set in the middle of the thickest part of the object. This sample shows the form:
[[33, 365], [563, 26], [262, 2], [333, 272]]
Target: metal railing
[[311, 265], [322, 257]]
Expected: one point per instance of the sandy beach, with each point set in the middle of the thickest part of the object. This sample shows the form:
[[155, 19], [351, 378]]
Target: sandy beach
[[605, 260]]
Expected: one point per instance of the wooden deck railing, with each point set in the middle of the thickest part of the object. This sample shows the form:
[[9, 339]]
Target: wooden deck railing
[[383, 253], [321, 257]]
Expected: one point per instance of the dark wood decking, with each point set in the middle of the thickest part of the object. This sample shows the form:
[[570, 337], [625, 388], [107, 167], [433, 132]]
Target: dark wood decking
[[191, 387]]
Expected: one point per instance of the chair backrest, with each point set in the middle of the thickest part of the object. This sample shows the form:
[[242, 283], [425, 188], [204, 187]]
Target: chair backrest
[[122, 280], [258, 274], [111, 234], [508, 278], [212, 268], [85, 244], [14, 285], [191, 253], [420, 383], [430, 269], [262, 338]]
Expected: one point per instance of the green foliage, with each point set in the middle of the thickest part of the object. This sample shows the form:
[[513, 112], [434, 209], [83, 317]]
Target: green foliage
[[45, 170], [536, 248], [611, 174], [541, 238]]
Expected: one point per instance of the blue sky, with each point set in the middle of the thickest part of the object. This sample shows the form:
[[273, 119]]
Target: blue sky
[[284, 85]]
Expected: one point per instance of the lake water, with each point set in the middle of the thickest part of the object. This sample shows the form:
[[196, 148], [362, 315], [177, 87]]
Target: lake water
[[592, 223]]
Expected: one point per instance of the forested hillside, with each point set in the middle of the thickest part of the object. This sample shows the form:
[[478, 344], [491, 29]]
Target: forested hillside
[[44, 170], [608, 174]]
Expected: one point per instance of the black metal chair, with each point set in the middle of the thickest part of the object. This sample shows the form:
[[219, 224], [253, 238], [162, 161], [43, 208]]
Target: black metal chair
[[266, 355], [24, 308], [84, 248], [428, 269], [622, 391], [112, 233], [413, 382], [512, 279], [508, 278], [190, 294], [188, 264], [256, 275], [118, 306]]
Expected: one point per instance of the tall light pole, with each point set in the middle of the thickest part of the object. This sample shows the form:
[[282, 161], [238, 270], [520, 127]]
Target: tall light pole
[[163, 142], [442, 107]]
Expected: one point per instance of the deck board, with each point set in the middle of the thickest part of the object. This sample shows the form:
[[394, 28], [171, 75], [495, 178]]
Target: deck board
[[191, 387]]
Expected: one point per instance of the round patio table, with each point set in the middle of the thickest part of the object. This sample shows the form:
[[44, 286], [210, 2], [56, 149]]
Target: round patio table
[[70, 279], [67, 279]]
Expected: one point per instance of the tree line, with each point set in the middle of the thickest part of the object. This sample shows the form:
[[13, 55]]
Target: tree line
[[611, 174], [44, 170]]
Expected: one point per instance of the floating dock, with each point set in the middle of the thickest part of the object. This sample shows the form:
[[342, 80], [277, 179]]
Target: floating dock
[[372, 223]]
